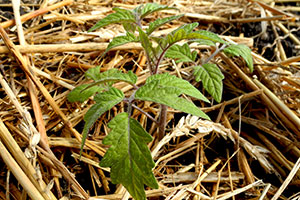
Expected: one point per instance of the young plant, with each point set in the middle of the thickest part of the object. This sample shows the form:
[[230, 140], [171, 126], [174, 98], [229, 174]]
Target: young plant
[[128, 156]]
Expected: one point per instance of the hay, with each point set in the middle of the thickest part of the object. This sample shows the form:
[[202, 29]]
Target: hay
[[249, 151]]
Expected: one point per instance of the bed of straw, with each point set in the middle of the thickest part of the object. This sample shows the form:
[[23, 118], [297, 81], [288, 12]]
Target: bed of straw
[[250, 149]]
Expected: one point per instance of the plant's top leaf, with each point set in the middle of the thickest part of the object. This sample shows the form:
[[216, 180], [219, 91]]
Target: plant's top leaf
[[121, 40], [211, 77], [83, 92], [243, 51], [159, 22], [207, 35], [172, 82], [93, 73], [204, 42], [153, 91], [120, 16], [128, 156], [149, 8], [186, 32], [188, 28], [129, 27], [181, 53], [160, 41], [112, 75], [147, 45], [180, 33], [104, 101]]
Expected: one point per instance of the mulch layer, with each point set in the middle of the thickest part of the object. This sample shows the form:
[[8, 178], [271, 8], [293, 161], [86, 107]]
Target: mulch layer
[[250, 149]]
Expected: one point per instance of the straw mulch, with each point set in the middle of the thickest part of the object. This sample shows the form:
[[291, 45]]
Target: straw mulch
[[250, 149]]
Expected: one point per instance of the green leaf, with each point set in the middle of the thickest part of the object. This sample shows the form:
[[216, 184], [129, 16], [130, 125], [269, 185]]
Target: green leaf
[[161, 44], [128, 156], [147, 45], [129, 27], [211, 77], [93, 73], [170, 81], [104, 101], [241, 50], [83, 92], [180, 33], [112, 75], [207, 35], [188, 28], [159, 22], [181, 53], [149, 8], [186, 32], [120, 16], [204, 42], [153, 91], [121, 40]]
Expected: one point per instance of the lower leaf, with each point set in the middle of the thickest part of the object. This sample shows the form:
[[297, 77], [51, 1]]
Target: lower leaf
[[169, 96], [104, 101], [211, 77], [83, 92], [128, 156], [181, 53], [243, 51]]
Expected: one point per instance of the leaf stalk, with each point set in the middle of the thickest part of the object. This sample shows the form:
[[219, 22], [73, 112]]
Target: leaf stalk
[[145, 113], [161, 58], [218, 50]]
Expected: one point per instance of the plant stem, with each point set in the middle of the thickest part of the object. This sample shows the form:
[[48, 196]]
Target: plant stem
[[149, 63], [160, 58], [145, 113], [129, 111], [163, 108], [162, 121]]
